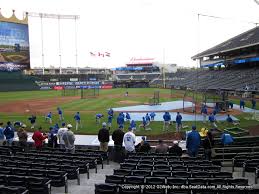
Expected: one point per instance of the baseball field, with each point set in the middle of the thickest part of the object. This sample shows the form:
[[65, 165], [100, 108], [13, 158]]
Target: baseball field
[[18, 106]]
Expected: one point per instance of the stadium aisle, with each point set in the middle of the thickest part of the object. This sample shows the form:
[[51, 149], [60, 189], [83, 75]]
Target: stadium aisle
[[87, 185]]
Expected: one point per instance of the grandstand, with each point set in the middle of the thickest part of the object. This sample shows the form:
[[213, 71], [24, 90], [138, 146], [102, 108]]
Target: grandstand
[[231, 65]]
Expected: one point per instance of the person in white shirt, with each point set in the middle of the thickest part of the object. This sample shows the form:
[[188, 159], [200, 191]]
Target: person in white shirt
[[61, 131], [129, 140]]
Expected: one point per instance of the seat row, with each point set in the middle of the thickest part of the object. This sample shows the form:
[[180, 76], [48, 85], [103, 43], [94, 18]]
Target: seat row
[[176, 174], [93, 161], [169, 167], [13, 190], [58, 178], [35, 185], [170, 161], [72, 171], [167, 156]]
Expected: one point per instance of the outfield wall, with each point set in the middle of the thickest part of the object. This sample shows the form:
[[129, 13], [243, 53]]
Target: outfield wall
[[16, 81]]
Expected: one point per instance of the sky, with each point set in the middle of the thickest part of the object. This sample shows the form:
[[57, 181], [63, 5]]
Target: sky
[[167, 30]]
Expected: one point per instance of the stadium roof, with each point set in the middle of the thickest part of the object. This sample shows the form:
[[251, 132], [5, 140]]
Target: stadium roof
[[246, 39]]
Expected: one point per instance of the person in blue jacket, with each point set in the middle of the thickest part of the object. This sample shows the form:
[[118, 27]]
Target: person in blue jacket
[[152, 115], [133, 125], [144, 124], [128, 117], [109, 123], [148, 119], [193, 142], [1, 133], [60, 113], [49, 117], [98, 118], [178, 120], [212, 120], [110, 112], [204, 112], [120, 120], [55, 128], [122, 115], [77, 118], [226, 139], [167, 120], [229, 119], [9, 133]]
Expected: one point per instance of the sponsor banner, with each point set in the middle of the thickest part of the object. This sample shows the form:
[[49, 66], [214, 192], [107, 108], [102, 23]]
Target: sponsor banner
[[58, 88], [88, 87], [70, 87], [45, 88], [107, 86]]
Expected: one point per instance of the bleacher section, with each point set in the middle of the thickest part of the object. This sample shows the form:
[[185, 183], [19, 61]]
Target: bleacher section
[[234, 79]]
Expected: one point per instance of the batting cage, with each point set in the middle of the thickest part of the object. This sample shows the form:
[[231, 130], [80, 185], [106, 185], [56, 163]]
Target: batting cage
[[89, 92], [69, 92]]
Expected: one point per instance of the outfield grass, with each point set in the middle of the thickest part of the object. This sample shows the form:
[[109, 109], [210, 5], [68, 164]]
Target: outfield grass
[[88, 108]]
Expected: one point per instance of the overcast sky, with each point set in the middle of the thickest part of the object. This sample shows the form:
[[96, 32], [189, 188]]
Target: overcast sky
[[132, 28]]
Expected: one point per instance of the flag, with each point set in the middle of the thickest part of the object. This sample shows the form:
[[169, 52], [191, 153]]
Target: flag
[[107, 54], [92, 54], [100, 54]]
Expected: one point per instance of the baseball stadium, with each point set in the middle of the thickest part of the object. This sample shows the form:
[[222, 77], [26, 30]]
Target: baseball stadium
[[142, 127]]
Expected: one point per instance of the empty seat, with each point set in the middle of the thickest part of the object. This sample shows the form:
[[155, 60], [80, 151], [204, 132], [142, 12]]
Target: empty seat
[[222, 175], [127, 166], [176, 181], [141, 172], [161, 173], [197, 181], [179, 168], [201, 175], [238, 181], [115, 179], [123, 172], [162, 167], [181, 174], [155, 180], [105, 189], [137, 180], [144, 167], [216, 181]]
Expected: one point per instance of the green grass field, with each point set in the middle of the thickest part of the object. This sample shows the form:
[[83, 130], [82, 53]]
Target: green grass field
[[88, 108]]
